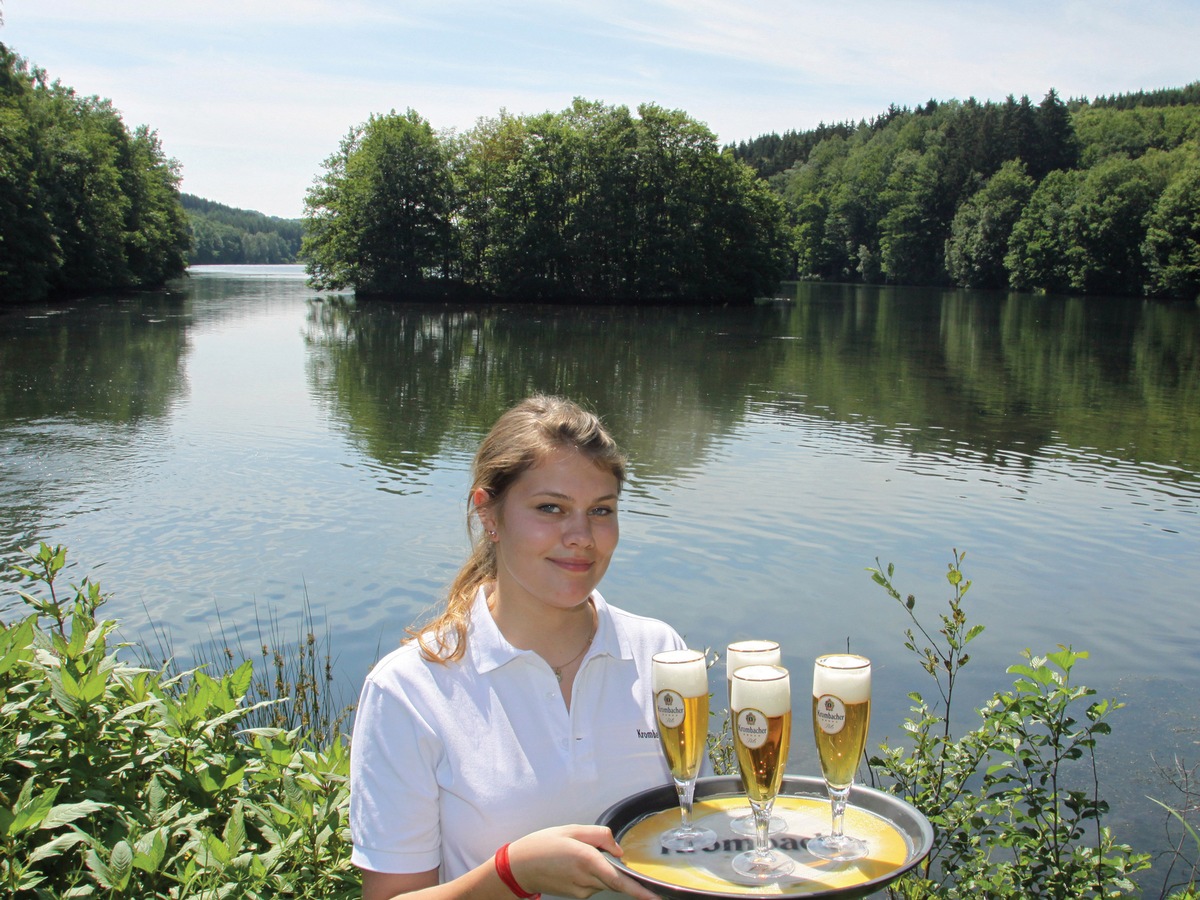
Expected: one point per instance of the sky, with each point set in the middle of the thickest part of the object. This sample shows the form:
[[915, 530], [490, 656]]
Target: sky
[[251, 96]]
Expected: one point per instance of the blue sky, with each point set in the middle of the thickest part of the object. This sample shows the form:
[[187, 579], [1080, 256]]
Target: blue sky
[[251, 96]]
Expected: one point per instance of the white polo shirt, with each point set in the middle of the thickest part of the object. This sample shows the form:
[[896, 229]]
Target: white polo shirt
[[449, 761]]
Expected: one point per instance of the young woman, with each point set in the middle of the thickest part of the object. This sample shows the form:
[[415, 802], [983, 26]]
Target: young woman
[[526, 704]]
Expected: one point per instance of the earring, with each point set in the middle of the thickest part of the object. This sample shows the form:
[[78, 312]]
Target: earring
[[491, 534]]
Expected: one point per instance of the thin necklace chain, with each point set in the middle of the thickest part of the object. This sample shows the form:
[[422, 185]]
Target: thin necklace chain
[[588, 643]]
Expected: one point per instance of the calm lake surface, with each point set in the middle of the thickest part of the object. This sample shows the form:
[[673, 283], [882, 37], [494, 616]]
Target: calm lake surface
[[215, 453]]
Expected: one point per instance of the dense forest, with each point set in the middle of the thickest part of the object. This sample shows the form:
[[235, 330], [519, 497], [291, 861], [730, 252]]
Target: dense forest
[[223, 234], [591, 203], [1087, 197], [1099, 197], [85, 203], [598, 202]]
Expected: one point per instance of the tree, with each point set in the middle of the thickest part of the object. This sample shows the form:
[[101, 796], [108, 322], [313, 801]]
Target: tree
[[808, 193], [1018, 129], [674, 157], [594, 203], [1055, 144], [85, 204], [1108, 219], [981, 228], [1171, 250], [479, 161], [1041, 240], [27, 250], [603, 206], [910, 235], [80, 177], [156, 226], [856, 203], [378, 220]]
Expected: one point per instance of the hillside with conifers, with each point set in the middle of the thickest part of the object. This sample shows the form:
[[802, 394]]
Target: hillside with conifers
[[226, 235], [1092, 197]]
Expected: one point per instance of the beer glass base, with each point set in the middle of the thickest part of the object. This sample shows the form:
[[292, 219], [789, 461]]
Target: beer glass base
[[837, 848], [762, 866], [744, 825], [688, 840]]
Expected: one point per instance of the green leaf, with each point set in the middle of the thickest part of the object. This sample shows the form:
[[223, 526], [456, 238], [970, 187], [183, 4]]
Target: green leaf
[[239, 679], [16, 645], [235, 829], [1065, 658], [56, 846], [209, 778], [217, 850], [150, 850], [65, 813], [70, 684], [120, 864], [29, 815], [93, 685], [99, 869]]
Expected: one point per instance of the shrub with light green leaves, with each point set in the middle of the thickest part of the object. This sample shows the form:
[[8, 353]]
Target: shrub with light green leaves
[[118, 780], [1014, 801]]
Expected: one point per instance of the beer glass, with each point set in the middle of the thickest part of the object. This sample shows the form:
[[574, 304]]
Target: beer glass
[[762, 713], [841, 715], [680, 684], [749, 653]]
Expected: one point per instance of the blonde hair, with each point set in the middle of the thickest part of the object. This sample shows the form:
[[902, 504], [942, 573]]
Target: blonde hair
[[521, 438]]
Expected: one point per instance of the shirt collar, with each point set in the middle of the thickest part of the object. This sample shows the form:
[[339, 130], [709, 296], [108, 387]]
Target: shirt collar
[[489, 649]]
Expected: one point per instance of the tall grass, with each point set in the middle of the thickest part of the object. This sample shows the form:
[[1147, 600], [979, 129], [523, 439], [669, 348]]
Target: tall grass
[[296, 672]]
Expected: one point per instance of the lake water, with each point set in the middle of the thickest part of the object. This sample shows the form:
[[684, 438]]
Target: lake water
[[217, 452]]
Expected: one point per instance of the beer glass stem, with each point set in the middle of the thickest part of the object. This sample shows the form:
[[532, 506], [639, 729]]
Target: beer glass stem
[[762, 827], [686, 790], [837, 801]]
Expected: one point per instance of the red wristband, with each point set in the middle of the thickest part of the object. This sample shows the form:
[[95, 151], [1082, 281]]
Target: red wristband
[[504, 870]]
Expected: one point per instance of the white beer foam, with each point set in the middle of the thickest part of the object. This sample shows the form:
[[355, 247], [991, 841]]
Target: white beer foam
[[683, 671], [765, 688], [750, 653], [845, 676]]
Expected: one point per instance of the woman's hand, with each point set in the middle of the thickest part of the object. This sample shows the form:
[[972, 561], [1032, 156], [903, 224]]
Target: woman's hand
[[566, 860]]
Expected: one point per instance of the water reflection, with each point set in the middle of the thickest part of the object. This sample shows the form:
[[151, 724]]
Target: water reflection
[[410, 382], [116, 362], [1001, 378]]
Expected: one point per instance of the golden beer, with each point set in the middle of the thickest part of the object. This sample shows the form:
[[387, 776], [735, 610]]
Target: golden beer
[[840, 750], [762, 766], [761, 707], [683, 743], [841, 713], [679, 680]]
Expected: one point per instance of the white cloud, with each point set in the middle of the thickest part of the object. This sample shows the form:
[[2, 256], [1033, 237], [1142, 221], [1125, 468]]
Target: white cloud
[[252, 95]]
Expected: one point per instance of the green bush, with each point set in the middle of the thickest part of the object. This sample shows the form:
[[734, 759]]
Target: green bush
[[1015, 800], [120, 780]]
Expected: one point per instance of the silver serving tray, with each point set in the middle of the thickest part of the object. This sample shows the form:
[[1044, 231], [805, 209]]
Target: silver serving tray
[[912, 826]]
